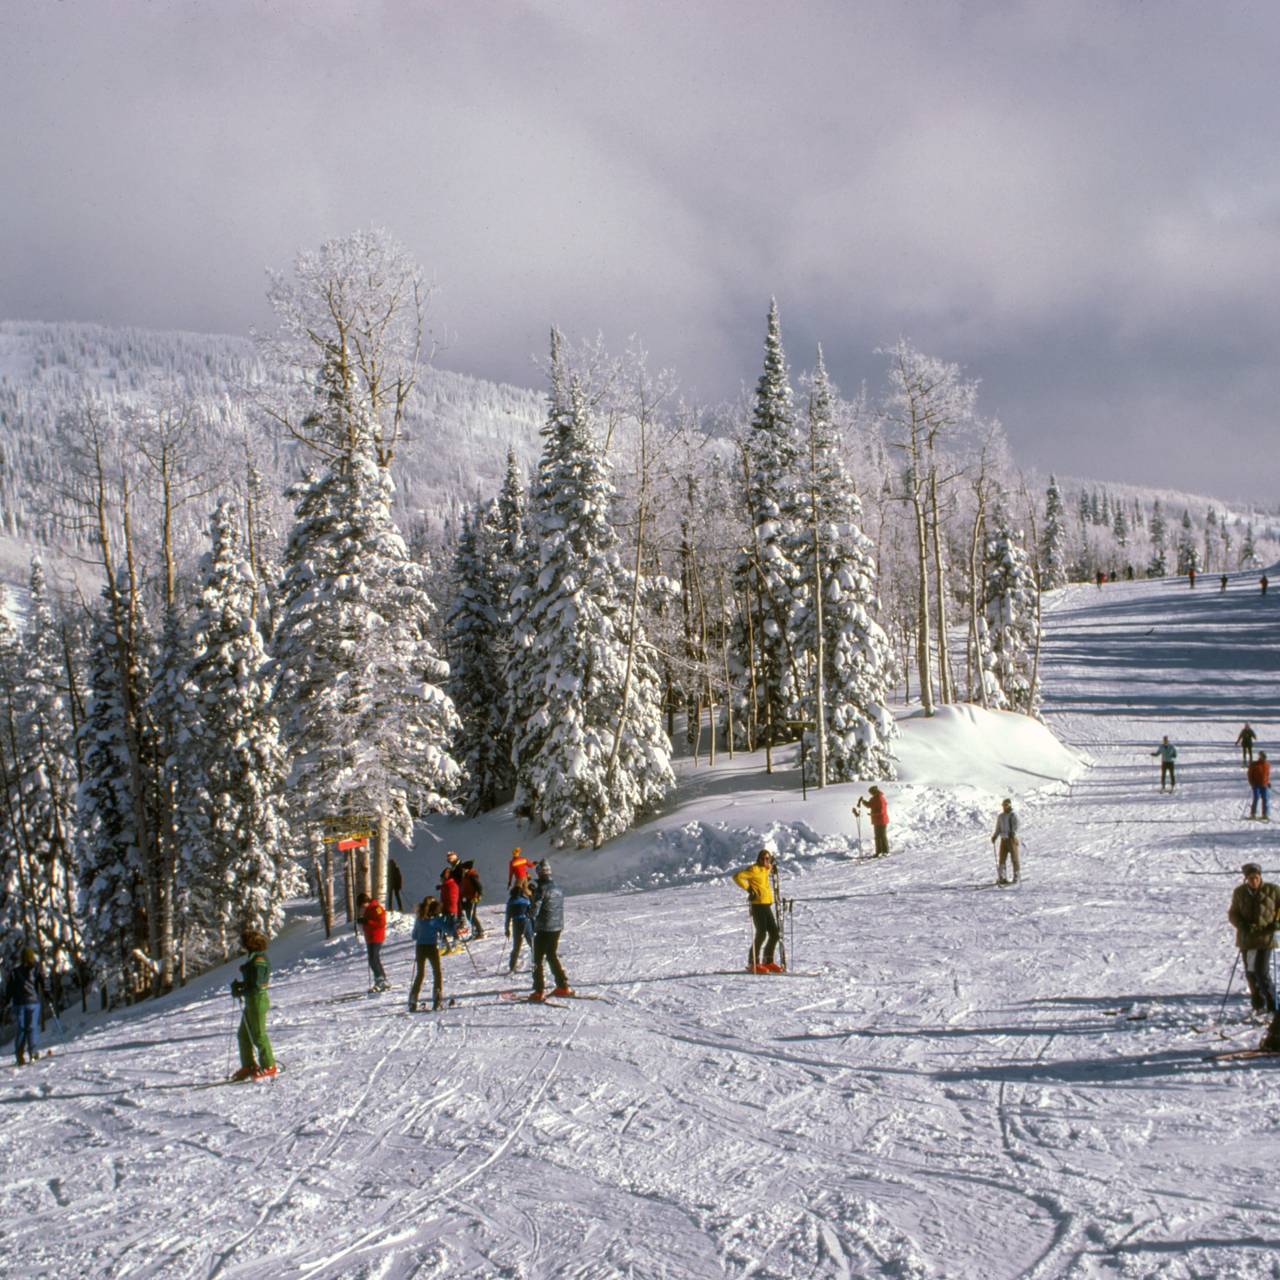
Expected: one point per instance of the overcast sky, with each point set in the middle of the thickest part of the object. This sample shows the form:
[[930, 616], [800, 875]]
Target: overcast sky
[[1080, 203]]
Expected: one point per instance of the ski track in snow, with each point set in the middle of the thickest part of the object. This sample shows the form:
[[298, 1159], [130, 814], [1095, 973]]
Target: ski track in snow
[[988, 1084]]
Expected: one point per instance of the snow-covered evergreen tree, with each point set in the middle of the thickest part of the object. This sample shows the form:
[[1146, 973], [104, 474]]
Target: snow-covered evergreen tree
[[575, 776], [236, 860], [359, 686], [1248, 551], [1158, 530], [1188, 552], [1053, 545], [766, 573], [1012, 615], [113, 892], [477, 645], [858, 665]]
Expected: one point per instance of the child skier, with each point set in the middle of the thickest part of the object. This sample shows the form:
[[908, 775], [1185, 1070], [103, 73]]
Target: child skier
[[520, 919], [757, 880], [25, 987], [251, 987], [430, 926]]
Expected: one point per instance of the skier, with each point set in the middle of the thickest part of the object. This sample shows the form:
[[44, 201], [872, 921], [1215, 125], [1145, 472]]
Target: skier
[[1255, 911], [469, 893], [1191, 576], [1262, 582], [1100, 578], [251, 988], [395, 882], [1260, 782], [1007, 833], [547, 927], [25, 987], [878, 803], [519, 915], [757, 880], [1245, 740], [450, 892], [373, 920], [1223, 587], [519, 868], [1168, 753], [429, 927]]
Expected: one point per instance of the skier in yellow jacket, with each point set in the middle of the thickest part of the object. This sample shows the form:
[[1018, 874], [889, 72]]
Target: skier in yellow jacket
[[757, 881]]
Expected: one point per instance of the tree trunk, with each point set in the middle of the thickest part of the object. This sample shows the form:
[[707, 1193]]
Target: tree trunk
[[945, 693], [923, 638], [381, 853]]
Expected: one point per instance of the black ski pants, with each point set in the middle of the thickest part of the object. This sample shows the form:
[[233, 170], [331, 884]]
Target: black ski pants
[[522, 932], [1166, 771], [882, 840], [422, 954], [1257, 973], [374, 953], [545, 946], [766, 927], [393, 895]]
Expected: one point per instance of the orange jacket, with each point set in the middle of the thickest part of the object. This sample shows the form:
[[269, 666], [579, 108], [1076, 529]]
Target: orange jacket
[[1260, 773], [374, 922]]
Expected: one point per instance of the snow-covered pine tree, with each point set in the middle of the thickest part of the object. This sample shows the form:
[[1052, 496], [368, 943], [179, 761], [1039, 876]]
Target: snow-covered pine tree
[[1084, 509], [1158, 531], [45, 777], [568, 671], [1188, 552], [112, 875], [765, 576], [1053, 545], [838, 559], [1012, 615], [477, 645], [1248, 551], [1120, 526], [359, 686], [236, 861]]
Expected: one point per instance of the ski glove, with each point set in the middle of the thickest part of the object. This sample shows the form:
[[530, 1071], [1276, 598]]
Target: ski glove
[[237, 989]]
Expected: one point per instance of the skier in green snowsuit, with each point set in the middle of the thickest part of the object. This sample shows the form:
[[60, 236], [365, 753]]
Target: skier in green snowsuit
[[252, 989]]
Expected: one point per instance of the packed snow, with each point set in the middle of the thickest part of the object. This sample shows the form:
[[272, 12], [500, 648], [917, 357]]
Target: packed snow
[[955, 1079]]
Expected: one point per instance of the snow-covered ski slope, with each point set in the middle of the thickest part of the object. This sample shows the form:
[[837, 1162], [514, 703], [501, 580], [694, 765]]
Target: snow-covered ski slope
[[968, 1082]]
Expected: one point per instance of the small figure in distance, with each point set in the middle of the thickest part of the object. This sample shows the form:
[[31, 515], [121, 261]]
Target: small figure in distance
[[395, 882], [1245, 740], [1224, 583], [1254, 911], [25, 987], [1191, 576], [1128, 572], [878, 803], [1168, 753], [757, 880], [251, 987], [1100, 578], [1262, 582], [1260, 783], [1007, 833]]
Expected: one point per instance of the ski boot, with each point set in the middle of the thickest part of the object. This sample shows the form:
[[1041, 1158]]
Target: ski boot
[[244, 1073], [563, 991], [267, 1073]]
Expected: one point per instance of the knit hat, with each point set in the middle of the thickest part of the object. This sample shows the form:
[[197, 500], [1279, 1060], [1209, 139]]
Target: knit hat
[[515, 852], [544, 870], [1251, 869]]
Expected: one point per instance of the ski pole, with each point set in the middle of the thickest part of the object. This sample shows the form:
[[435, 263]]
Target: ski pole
[[857, 813], [1230, 980], [470, 957]]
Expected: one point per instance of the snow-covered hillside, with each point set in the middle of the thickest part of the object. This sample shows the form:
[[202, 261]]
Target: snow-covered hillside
[[956, 1080]]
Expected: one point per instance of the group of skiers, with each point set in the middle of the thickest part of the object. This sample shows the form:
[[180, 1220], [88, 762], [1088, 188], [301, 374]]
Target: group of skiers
[[1258, 772]]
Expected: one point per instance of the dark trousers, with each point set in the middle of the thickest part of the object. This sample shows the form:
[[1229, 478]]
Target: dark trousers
[[766, 926], [27, 1017], [882, 840], [394, 893], [545, 946], [1166, 771], [1257, 973], [522, 932], [1009, 851], [374, 950], [1246, 753], [469, 909], [423, 953]]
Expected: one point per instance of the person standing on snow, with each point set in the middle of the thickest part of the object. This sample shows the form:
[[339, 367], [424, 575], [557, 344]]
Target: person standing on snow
[[1255, 911], [251, 988], [1262, 582], [1223, 587], [520, 919], [449, 900], [1260, 782], [1007, 833], [547, 927], [1191, 576], [373, 920], [1245, 740], [519, 868], [430, 926], [469, 893], [25, 987], [1168, 753], [877, 802], [395, 882], [757, 880]]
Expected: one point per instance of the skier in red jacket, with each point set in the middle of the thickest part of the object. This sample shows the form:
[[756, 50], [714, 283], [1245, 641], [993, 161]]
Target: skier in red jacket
[[451, 899], [373, 920], [1260, 781], [878, 803]]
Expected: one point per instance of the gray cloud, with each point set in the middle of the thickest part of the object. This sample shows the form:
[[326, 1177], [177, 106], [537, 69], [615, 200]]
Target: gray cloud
[[1080, 202]]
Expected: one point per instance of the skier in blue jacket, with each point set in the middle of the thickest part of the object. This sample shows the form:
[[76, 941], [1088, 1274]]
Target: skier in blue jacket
[[430, 926], [24, 989], [520, 919]]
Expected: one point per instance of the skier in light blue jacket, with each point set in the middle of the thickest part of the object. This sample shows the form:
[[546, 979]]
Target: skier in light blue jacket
[[1168, 753]]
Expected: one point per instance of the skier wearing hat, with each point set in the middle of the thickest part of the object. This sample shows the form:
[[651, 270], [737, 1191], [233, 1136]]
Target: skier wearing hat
[[1260, 784], [469, 893], [757, 880], [1007, 833], [373, 920], [878, 803], [548, 924], [251, 987], [25, 987], [519, 868], [1255, 912]]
